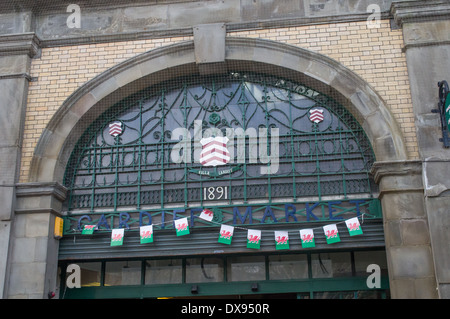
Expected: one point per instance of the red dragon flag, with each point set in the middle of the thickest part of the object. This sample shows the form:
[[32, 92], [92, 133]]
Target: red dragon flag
[[331, 233], [214, 151], [117, 237], [226, 234], [182, 226], [207, 214], [253, 239], [354, 227], [146, 234], [307, 237], [281, 240], [88, 230]]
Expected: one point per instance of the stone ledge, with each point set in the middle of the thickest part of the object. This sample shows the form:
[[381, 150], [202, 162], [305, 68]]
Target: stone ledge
[[395, 168], [419, 11], [399, 177], [25, 43], [40, 198]]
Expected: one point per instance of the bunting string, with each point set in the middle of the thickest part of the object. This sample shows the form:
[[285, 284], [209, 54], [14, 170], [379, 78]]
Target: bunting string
[[254, 236]]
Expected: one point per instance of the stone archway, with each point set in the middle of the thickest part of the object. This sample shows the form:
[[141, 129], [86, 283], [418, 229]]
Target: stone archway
[[321, 73]]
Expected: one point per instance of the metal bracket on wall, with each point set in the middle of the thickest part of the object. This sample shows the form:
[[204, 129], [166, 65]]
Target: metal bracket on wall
[[444, 112]]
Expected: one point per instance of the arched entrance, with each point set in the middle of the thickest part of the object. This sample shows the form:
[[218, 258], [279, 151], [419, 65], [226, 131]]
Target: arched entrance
[[324, 75]]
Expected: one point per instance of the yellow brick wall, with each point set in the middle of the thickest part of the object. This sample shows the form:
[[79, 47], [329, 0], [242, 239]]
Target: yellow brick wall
[[375, 54]]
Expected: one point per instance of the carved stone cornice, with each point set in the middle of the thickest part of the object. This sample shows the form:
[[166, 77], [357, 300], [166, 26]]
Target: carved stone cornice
[[419, 11], [16, 44], [44, 197], [398, 176]]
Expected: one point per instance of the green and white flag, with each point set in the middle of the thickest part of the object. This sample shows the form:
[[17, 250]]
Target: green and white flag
[[88, 230], [117, 237], [331, 233], [226, 234], [307, 237], [146, 234], [354, 227], [182, 226], [253, 239], [282, 240]]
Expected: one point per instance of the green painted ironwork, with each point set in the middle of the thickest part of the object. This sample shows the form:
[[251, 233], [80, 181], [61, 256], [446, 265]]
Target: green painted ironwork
[[310, 286], [135, 170], [299, 213]]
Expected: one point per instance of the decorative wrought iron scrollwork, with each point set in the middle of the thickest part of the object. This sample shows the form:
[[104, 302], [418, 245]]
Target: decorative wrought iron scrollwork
[[331, 156]]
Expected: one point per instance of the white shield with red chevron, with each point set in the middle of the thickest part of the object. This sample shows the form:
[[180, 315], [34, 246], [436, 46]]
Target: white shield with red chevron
[[115, 128], [316, 115], [214, 151]]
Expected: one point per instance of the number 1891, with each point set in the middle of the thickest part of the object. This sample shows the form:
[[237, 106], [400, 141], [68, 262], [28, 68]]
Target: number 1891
[[212, 193]]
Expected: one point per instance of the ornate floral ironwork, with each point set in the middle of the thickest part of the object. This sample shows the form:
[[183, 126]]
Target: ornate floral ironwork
[[332, 157]]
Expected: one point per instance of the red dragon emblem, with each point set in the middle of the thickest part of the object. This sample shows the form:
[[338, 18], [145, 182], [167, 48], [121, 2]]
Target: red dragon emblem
[[225, 234], [181, 227], [281, 240], [253, 239], [146, 234], [332, 234], [117, 237], [353, 226], [308, 238]]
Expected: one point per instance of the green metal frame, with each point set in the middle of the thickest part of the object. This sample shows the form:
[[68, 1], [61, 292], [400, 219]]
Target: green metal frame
[[302, 287], [226, 214]]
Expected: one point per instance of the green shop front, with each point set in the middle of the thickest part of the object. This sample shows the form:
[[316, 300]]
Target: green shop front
[[268, 178]]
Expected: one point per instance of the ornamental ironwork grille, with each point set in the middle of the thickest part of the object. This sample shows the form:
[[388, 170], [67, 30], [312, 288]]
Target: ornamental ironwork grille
[[286, 141]]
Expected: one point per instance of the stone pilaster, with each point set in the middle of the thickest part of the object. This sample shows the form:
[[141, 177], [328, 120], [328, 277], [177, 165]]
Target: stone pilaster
[[408, 248], [16, 52], [34, 250], [425, 27]]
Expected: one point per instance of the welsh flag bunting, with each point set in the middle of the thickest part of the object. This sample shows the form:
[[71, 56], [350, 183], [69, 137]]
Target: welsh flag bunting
[[88, 230], [146, 234], [207, 214], [253, 238], [354, 228], [182, 226], [226, 234], [117, 237], [282, 240], [331, 233], [307, 237]]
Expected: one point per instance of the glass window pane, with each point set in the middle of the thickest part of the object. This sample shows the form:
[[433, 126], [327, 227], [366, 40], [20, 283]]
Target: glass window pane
[[204, 270], [165, 271], [90, 273], [119, 273], [331, 265], [288, 267], [246, 268], [366, 258]]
